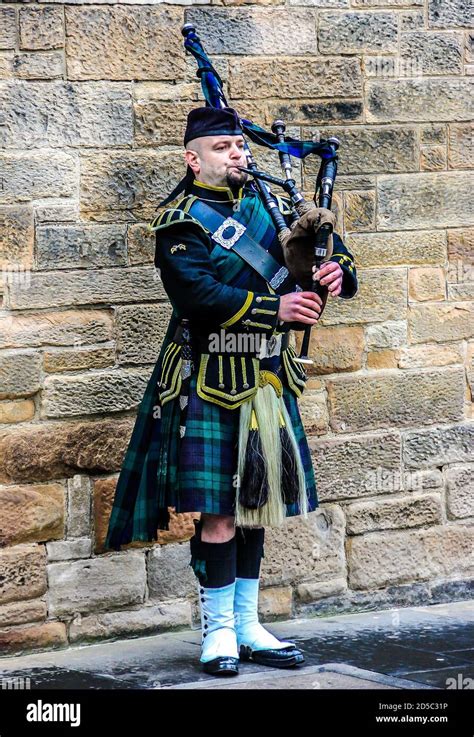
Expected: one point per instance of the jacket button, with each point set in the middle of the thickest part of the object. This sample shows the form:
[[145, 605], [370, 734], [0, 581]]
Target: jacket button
[[206, 626], [204, 634], [253, 311], [246, 386], [258, 299], [221, 386], [233, 391], [202, 599], [205, 616]]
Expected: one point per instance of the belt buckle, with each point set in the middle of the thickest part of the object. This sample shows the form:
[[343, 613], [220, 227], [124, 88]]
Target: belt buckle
[[279, 277]]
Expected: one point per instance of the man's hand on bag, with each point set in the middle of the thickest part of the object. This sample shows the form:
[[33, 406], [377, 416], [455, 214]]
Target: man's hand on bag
[[330, 274], [300, 307]]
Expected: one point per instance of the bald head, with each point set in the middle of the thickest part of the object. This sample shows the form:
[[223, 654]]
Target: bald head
[[213, 160]]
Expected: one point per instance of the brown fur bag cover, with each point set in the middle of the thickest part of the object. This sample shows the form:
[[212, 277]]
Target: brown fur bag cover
[[298, 244]]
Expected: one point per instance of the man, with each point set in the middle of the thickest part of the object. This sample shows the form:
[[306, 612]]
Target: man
[[218, 430]]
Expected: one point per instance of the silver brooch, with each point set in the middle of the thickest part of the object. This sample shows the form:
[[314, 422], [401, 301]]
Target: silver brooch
[[236, 230]]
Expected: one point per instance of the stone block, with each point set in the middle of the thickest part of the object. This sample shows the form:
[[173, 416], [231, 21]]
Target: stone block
[[32, 513], [22, 573], [396, 399], [357, 465], [96, 584]]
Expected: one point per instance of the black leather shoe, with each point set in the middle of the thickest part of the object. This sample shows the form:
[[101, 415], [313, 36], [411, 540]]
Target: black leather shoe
[[284, 657], [222, 667]]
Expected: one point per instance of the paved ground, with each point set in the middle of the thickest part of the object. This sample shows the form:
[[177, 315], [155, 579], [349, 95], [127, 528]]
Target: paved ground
[[411, 648]]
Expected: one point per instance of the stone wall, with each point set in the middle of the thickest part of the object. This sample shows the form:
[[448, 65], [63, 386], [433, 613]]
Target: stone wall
[[94, 98]]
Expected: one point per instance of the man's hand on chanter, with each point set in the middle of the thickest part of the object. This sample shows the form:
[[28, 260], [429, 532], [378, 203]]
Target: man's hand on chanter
[[300, 307], [330, 274]]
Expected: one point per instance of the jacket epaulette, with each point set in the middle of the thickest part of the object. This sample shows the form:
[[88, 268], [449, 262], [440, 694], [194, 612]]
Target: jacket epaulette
[[177, 214]]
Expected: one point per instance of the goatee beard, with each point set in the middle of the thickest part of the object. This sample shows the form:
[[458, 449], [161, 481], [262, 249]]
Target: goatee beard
[[235, 179]]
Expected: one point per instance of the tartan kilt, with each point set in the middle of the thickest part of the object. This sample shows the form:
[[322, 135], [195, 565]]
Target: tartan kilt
[[194, 473]]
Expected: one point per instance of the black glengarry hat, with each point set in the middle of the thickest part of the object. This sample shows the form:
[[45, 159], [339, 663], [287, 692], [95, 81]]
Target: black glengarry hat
[[211, 121]]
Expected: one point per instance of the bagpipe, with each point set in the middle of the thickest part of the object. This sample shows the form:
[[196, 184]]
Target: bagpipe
[[315, 216]]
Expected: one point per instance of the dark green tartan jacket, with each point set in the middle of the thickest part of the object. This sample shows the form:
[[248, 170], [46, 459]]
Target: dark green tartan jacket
[[219, 291]]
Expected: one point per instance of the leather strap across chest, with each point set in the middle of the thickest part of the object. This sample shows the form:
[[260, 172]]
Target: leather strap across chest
[[230, 233]]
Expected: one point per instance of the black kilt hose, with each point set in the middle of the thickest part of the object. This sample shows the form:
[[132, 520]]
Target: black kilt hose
[[183, 451]]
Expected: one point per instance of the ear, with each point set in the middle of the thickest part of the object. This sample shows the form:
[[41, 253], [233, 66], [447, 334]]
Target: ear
[[192, 158]]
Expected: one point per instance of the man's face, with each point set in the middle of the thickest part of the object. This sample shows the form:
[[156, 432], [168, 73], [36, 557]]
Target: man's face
[[214, 159]]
